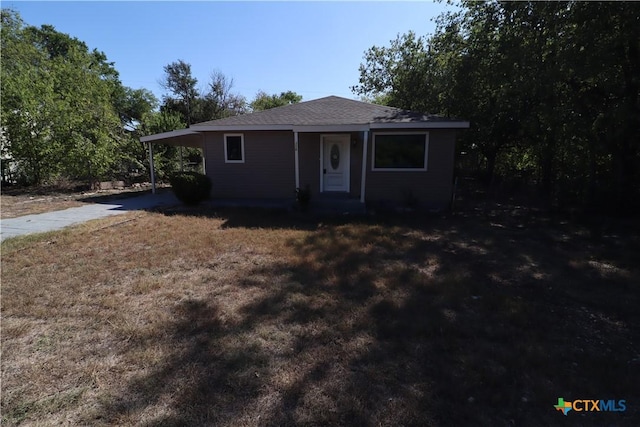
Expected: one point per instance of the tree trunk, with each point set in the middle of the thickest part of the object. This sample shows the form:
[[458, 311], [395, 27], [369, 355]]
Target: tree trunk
[[491, 156]]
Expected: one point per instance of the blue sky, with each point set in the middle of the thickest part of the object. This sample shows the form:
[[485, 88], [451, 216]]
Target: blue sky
[[312, 48]]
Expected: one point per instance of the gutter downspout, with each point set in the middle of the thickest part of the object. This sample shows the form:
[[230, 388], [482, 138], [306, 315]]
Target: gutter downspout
[[363, 183], [151, 169]]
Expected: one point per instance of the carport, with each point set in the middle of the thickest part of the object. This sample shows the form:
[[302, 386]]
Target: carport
[[178, 138]]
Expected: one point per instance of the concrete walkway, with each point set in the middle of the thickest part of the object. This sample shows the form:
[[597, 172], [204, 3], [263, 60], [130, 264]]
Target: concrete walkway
[[57, 220]]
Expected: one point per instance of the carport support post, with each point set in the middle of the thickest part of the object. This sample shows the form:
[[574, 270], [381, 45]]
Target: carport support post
[[153, 173], [363, 183], [297, 159]]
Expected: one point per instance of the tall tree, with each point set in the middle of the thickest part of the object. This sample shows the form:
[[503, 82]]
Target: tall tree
[[399, 72], [27, 97], [179, 81], [133, 104], [214, 102], [57, 103], [135, 107], [551, 89], [219, 101]]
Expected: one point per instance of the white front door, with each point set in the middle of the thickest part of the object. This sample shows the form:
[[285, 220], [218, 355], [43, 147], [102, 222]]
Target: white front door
[[335, 155]]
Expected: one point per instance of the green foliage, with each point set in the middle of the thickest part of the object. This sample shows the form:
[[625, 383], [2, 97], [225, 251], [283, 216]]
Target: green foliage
[[264, 101], [166, 157], [182, 85], [57, 104], [219, 101], [191, 188], [551, 90], [397, 72], [133, 105], [216, 102], [378, 98]]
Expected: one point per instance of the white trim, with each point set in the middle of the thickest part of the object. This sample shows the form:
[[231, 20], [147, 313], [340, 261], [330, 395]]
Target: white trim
[[333, 129], [194, 129], [297, 159], [151, 169], [347, 161], [353, 127], [295, 128], [363, 179], [421, 125], [167, 135], [426, 152], [239, 128], [224, 139], [204, 154]]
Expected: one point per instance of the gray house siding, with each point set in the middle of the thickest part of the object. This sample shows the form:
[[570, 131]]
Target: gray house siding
[[309, 156], [356, 163], [268, 171], [431, 188]]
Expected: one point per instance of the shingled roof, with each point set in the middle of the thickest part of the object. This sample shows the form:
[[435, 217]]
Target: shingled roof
[[328, 114], [331, 110]]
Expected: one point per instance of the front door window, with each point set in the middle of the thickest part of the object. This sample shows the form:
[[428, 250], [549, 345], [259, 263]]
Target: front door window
[[335, 156]]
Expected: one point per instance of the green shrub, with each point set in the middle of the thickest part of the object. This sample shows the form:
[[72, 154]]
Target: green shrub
[[190, 188], [303, 197]]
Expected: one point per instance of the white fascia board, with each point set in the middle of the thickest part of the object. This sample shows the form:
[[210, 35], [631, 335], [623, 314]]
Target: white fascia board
[[331, 128], [167, 135], [240, 128], [421, 125], [293, 128]]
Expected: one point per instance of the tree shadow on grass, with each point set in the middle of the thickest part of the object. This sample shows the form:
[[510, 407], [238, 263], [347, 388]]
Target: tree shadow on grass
[[467, 321], [204, 380]]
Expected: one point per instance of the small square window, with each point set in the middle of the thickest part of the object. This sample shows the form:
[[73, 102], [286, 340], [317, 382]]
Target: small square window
[[234, 148]]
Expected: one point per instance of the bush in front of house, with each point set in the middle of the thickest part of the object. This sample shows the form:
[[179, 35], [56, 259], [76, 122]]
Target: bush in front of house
[[303, 197], [190, 188]]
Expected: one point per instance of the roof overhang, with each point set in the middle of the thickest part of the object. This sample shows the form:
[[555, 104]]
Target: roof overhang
[[331, 128], [420, 125], [192, 137], [239, 128], [356, 127], [181, 137]]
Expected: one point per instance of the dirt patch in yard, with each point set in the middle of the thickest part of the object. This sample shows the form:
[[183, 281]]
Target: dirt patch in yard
[[246, 317]]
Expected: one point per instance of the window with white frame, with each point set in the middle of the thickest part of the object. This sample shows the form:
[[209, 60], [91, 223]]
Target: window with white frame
[[401, 151], [234, 148]]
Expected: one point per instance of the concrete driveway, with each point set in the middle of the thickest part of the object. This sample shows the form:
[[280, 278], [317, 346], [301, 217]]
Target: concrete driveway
[[57, 220]]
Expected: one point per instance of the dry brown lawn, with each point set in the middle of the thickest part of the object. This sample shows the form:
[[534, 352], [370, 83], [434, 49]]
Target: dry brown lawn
[[253, 318]]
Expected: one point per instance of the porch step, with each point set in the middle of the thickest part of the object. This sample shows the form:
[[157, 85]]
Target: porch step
[[338, 195], [325, 205]]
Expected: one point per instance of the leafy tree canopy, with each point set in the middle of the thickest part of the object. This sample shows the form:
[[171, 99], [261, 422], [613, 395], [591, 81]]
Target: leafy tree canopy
[[264, 101], [57, 103], [551, 90]]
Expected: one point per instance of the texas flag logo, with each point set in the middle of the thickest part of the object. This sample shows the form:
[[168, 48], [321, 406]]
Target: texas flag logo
[[563, 406]]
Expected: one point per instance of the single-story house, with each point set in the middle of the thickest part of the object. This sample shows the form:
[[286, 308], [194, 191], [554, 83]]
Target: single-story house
[[334, 146]]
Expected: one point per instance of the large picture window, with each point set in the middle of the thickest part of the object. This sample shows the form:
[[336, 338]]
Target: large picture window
[[406, 151], [234, 148]]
